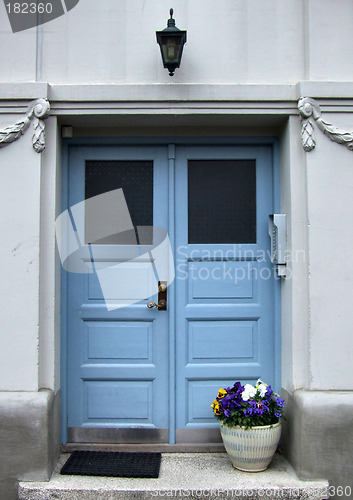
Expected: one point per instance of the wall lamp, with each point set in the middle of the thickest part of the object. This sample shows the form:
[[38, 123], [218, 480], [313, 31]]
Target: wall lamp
[[171, 41]]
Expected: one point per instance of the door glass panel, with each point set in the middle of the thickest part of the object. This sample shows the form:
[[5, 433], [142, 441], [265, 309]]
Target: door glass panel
[[136, 180], [222, 201]]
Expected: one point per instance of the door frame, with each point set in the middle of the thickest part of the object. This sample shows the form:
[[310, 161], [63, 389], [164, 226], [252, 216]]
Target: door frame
[[273, 142]]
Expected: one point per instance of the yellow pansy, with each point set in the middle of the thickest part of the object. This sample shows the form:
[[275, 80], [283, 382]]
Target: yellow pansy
[[221, 393], [215, 407]]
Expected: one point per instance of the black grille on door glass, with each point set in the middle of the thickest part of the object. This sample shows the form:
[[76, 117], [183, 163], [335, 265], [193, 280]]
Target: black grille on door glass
[[222, 201], [135, 177]]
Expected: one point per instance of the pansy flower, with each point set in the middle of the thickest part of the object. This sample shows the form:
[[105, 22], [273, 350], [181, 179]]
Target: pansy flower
[[221, 393], [248, 392], [215, 407]]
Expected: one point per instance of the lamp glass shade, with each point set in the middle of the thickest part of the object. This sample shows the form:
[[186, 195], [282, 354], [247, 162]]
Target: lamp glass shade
[[172, 48]]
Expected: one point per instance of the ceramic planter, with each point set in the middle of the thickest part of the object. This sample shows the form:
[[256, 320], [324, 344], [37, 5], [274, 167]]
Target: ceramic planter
[[251, 450]]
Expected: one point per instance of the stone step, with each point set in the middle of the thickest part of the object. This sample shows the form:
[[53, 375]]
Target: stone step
[[195, 475]]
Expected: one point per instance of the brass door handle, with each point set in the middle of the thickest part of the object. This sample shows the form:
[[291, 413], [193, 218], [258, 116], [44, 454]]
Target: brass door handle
[[162, 297], [162, 305]]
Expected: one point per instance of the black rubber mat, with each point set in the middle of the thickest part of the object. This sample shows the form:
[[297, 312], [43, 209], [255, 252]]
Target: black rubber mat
[[115, 464]]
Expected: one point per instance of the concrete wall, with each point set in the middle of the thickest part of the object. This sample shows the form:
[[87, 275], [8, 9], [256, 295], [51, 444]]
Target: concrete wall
[[124, 48], [19, 54], [318, 434], [295, 291], [19, 254], [317, 316], [29, 438], [245, 42], [318, 437], [29, 356], [326, 43], [330, 214]]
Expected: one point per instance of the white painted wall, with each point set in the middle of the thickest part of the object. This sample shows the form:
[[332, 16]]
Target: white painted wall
[[19, 256], [49, 305], [317, 300], [18, 52], [328, 39], [234, 41], [295, 293], [229, 42], [330, 188]]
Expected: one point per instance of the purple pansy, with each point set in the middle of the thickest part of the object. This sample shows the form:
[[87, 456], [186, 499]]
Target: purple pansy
[[280, 402]]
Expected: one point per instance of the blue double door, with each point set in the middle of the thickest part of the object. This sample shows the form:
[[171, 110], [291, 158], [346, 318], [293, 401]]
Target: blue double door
[[135, 374]]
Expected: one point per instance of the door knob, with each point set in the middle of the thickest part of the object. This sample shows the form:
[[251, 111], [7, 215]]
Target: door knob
[[161, 305]]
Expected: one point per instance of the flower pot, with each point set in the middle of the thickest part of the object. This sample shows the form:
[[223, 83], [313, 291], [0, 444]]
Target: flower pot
[[251, 450]]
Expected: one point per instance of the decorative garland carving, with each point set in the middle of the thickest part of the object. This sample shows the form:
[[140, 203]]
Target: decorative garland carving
[[309, 107], [38, 110]]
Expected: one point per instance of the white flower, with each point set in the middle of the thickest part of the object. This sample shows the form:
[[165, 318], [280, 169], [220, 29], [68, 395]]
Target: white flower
[[249, 392], [259, 381], [262, 388]]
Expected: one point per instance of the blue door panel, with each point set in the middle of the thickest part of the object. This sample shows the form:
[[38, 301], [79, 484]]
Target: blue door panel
[[225, 314], [117, 359]]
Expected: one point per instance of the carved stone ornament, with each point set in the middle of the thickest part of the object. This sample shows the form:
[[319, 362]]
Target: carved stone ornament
[[309, 107], [38, 110]]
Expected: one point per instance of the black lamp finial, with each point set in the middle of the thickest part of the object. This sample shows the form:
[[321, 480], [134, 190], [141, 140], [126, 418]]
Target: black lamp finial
[[171, 21]]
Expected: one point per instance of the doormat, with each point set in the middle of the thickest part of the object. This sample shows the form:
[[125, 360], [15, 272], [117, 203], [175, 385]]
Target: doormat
[[115, 464]]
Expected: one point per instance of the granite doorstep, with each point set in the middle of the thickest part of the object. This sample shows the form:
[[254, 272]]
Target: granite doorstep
[[199, 475]]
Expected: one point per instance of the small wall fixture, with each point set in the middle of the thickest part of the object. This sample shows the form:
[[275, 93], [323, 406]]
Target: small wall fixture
[[171, 41]]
